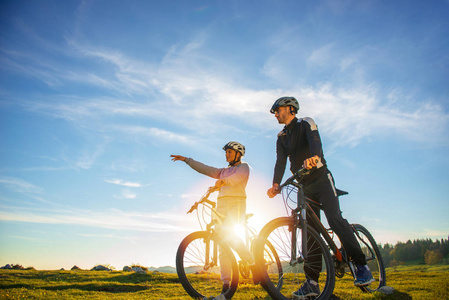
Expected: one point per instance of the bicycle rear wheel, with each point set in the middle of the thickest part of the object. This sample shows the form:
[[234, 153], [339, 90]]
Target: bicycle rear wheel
[[201, 280], [373, 258], [278, 233]]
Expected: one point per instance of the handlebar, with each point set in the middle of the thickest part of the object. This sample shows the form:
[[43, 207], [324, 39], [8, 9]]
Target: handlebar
[[204, 199], [296, 176]]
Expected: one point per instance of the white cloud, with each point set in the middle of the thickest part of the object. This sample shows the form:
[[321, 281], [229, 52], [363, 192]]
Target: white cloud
[[349, 116], [159, 133], [321, 56], [200, 95], [127, 194], [124, 183], [20, 185], [111, 236], [88, 158], [114, 219]]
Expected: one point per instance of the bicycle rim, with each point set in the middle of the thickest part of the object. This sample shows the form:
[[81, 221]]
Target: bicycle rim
[[373, 257], [278, 234], [271, 263], [200, 280]]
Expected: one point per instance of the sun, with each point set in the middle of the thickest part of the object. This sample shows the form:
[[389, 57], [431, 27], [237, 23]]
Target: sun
[[240, 231], [263, 208]]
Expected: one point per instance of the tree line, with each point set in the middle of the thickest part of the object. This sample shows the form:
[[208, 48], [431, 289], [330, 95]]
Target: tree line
[[421, 251]]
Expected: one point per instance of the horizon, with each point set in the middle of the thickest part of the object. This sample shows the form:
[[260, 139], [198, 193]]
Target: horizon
[[96, 95], [174, 267], [157, 268]]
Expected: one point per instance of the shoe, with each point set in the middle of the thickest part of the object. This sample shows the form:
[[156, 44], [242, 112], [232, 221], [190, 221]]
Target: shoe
[[308, 288], [363, 276], [225, 288]]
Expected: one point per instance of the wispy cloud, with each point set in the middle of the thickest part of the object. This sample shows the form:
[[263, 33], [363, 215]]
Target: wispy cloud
[[27, 238], [351, 115], [124, 183], [201, 94], [321, 56], [160, 134], [23, 188], [20, 185], [126, 194], [111, 236], [113, 219]]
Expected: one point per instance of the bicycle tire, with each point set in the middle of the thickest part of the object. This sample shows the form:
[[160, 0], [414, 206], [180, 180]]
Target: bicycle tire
[[190, 266], [271, 261], [278, 233], [373, 258]]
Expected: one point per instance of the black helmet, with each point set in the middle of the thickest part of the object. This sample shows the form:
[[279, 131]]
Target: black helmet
[[285, 101]]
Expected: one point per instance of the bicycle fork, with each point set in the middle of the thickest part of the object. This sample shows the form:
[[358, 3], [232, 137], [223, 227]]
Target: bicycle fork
[[210, 262], [299, 258]]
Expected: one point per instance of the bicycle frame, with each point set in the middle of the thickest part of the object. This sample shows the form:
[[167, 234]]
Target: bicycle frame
[[308, 250], [205, 255], [300, 214], [218, 219]]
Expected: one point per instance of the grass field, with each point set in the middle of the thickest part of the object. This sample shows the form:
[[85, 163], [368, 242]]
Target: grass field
[[412, 282]]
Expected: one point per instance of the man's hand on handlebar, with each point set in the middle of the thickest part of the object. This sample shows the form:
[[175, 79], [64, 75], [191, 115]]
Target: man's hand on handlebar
[[273, 191], [312, 162]]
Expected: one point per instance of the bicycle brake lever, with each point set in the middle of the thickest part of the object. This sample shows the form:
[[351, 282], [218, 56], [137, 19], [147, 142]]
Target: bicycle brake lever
[[194, 206], [302, 172]]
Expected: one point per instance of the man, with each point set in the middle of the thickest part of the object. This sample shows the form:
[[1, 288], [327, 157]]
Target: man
[[231, 202], [301, 142]]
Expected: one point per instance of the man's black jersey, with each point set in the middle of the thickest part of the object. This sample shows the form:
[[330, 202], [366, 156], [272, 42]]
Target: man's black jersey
[[299, 141]]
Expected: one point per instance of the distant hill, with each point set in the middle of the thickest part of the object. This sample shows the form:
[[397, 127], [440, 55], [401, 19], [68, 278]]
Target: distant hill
[[166, 269]]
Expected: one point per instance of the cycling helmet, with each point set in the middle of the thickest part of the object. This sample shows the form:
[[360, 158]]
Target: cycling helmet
[[285, 101], [235, 146]]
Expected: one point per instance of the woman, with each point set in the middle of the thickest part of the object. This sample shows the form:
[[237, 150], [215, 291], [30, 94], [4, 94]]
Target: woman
[[231, 201]]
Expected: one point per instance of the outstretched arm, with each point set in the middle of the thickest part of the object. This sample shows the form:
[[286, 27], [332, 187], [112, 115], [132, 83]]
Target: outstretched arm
[[197, 166], [177, 157]]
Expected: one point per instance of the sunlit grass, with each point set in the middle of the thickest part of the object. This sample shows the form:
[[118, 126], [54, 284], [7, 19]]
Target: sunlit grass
[[409, 282]]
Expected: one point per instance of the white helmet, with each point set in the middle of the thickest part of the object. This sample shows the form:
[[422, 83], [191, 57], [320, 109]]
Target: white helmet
[[235, 146], [285, 101]]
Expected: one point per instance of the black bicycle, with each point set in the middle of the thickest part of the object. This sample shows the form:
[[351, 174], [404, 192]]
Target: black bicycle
[[301, 248], [201, 255]]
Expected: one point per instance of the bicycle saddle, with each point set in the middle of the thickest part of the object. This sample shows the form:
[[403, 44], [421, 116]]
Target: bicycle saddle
[[341, 192]]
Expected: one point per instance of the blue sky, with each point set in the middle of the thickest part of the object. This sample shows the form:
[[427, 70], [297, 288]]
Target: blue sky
[[96, 95]]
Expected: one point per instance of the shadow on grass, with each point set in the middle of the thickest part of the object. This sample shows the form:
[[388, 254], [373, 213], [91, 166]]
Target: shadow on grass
[[85, 281], [399, 295], [89, 287], [138, 278]]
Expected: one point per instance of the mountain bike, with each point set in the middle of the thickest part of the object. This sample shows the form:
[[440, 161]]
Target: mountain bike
[[201, 254], [301, 247]]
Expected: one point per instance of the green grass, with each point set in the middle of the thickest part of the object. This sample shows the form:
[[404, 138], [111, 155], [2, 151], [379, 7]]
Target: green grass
[[409, 282]]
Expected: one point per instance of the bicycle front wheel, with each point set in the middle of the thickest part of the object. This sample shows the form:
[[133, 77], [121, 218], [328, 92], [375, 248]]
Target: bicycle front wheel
[[280, 234], [372, 256], [271, 261], [201, 269]]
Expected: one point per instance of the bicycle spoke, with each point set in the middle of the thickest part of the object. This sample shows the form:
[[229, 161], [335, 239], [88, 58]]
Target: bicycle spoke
[[198, 279], [294, 272], [372, 256]]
